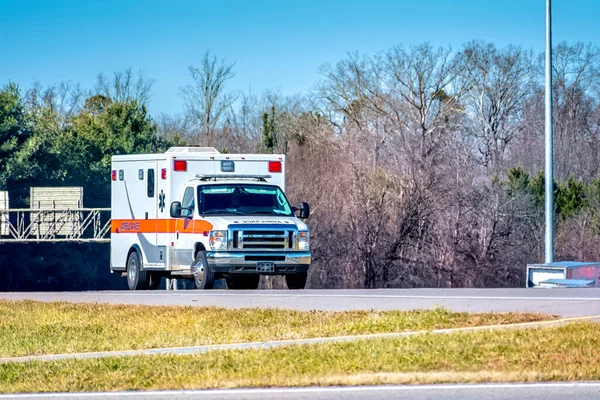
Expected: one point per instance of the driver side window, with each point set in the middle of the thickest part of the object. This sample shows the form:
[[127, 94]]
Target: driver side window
[[188, 202]]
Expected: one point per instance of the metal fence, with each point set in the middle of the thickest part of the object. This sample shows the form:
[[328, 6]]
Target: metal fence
[[4, 218], [56, 198], [71, 225]]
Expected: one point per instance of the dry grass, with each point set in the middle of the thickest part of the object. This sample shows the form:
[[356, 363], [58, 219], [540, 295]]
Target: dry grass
[[35, 328], [569, 352]]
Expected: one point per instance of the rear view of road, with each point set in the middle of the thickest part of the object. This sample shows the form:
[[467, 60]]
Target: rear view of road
[[561, 302]]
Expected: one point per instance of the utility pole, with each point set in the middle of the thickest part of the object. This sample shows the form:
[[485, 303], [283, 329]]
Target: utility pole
[[549, 172]]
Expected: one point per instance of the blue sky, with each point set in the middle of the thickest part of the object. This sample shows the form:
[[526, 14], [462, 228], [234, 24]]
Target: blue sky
[[276, 45]]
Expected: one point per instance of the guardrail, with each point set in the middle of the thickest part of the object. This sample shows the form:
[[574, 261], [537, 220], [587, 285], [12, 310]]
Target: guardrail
[[73, 225]]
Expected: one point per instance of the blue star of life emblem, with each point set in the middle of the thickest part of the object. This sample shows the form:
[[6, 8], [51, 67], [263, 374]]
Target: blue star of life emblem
[[161, 201]]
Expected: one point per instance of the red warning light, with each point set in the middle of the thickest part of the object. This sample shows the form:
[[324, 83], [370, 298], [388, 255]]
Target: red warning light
[[179, 165], [274, 166]]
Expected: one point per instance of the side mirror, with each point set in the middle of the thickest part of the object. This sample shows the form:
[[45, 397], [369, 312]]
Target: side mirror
[[176, 209], [304, 211]]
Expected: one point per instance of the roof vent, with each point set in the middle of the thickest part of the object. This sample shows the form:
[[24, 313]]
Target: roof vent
[[205, 150]]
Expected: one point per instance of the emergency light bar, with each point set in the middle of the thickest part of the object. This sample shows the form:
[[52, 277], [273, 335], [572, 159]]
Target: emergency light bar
[[231, 176]]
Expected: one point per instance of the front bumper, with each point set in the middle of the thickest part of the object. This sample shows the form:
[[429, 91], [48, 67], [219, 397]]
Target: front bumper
[[248, 262]]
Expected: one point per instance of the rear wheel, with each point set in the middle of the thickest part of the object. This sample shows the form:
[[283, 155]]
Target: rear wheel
[[296, 281], [154, 280], [137, 279], [243, 282], [204, 277]]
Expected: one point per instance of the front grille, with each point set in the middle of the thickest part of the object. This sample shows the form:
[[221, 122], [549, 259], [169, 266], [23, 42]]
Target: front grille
[[257, 239], [264, 246]]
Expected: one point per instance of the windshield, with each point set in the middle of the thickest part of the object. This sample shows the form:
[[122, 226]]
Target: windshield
[[242, 199]]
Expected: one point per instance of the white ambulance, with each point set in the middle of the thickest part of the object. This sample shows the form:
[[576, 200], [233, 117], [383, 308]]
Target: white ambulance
[[197, 214]]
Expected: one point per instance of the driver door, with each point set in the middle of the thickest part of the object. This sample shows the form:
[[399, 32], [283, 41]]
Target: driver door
[[184, 239]]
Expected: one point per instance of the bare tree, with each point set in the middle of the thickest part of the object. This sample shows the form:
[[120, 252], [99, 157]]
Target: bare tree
[[173, 128], [424, 88], [395, 151], [65, 99], [528, 148], [499, 81], [488, 221], [397, 115], [205, 99], [125, 86], [345, 87], [576, 77]]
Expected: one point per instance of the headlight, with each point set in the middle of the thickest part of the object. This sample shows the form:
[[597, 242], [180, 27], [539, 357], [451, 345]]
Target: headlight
[[218, 240], [303, 241]]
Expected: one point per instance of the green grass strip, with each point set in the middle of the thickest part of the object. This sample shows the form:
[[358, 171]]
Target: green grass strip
[[37, 328], [569, 352]]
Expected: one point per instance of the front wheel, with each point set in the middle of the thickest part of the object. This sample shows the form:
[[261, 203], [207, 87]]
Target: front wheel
[[204, 277], [296, 281]]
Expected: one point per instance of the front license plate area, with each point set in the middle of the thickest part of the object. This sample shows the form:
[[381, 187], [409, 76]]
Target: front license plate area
[[265, 267]]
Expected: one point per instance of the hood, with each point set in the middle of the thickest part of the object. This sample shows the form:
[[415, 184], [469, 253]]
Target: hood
[[223, 222]]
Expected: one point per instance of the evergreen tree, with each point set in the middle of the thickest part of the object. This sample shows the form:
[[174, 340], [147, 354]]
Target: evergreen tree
[[269, 130]]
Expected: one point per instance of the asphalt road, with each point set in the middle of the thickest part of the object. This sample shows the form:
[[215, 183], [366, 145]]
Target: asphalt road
[[571, 391], [556, 301]]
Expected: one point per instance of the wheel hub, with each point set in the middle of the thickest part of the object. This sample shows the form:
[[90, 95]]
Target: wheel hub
[[199, 271], [132, 270]]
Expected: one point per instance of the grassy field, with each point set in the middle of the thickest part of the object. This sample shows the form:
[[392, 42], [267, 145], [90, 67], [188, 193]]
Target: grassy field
[[569, 352], [35, 328]]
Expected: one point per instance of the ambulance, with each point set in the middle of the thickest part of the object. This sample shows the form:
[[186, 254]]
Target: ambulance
[[195, 213]]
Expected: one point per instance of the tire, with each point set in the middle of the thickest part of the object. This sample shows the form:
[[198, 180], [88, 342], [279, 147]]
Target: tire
[[137, 278], [248, 282], [204, 276], [296, 281]]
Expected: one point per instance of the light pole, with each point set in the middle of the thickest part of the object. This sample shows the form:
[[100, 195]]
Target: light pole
[[549, 173]]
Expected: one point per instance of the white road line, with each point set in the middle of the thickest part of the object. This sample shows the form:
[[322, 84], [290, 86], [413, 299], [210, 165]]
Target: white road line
[[284, 296], [308, 390]]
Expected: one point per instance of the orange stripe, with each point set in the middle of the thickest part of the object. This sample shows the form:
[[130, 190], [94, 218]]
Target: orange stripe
[[159, 226]]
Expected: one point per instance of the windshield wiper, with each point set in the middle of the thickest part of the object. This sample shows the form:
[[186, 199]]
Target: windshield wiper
[[222, 211], [268, 212]]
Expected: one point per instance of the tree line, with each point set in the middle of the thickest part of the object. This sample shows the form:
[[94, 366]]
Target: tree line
[[422, 163]]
